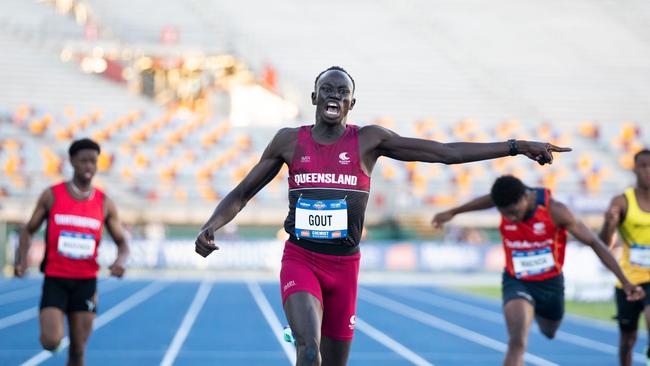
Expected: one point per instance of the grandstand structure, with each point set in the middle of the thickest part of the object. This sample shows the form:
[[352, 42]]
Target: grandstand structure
[[574, 74]]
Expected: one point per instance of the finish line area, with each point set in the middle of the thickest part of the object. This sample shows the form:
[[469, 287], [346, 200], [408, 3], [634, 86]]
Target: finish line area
[[203, 322]]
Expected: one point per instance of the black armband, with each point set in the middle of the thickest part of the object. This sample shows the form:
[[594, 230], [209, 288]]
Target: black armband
[[514, 148]]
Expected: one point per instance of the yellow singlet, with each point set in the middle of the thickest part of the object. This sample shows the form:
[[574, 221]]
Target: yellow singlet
[[635, 232]]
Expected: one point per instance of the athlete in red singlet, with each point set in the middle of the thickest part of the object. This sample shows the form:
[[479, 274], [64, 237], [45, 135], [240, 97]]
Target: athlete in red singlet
[[76, 214], [329, 168], [534, 232]]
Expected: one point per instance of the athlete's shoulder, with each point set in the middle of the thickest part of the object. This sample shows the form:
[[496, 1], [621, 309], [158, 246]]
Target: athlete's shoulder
[[620, 203], [559, 212], [46, 199], [99, 191], [375, 131], [284, 136], [282, 142], [55, 186], [286, 133]]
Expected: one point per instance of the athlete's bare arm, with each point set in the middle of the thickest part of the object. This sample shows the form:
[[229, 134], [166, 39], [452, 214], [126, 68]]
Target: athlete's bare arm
[[278, 152], [564, 218], [377, 141], [39, 215], [116, 231], [613, 218], [480, 203]]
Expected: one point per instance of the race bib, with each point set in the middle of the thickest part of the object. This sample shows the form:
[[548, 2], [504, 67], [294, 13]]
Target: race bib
[[532, 262], [76, 245], [321, 219], [640, 255]]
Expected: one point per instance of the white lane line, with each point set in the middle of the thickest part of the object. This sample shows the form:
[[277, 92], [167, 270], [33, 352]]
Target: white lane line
[[495, 317], [390, 343], [17, 295], [19, 317], [112, 313], [187, 323], [445, 326], [32, 312], [272, 319]]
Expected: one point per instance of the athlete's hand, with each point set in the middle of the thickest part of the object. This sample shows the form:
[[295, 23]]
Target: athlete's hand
[[117, 269], [541, 152], [204, 244], [633, 292], [19, 269], [441, 218]]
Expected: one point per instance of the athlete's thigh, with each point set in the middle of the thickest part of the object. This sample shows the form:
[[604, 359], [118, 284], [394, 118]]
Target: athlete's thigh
[[340, 299], [81, 325], [52, 321], [305, 315], [548, 327], [628, 312], [334, 352], [82, 309], [519, 315]]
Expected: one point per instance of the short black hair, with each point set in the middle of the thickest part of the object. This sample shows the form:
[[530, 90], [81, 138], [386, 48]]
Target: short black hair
[[83, 144], [642, 152], [507, 190], [336, 68]]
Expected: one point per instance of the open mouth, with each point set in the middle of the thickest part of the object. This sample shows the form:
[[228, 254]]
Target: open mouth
[[332, 109]]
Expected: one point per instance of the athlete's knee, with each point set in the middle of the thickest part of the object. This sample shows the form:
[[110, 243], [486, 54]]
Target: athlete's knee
[[628, 340], [50, 342], [548, 332], [518, 344], [308, 352]]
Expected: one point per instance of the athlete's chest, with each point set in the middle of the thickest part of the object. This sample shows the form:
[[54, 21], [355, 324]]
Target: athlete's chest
[[537, 231]]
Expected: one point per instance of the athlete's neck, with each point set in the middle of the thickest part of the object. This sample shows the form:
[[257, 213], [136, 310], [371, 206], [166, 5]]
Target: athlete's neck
[[80, 188], [532, 205], [642, 192], [326, 133]]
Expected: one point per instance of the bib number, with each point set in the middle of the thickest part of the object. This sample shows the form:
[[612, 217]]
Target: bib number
[[76, 245], [532, 262], [640, 255], [321, 219]]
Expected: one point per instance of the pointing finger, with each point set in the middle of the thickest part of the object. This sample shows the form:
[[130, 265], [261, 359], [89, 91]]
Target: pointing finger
[[559, 149]]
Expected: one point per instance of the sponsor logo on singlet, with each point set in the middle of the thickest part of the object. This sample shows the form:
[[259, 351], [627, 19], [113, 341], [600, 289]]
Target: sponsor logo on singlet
[[353, 321], [344, 158], [525, 244], [305, 159], [288, 285], [345, 179], [539, 228], [78, 221]]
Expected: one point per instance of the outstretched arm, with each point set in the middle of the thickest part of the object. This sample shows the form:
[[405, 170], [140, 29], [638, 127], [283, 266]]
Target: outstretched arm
[[392, 145], [564, 218], [613, 217], [25, 241], [480, 203], [114, 228], [261, 174]]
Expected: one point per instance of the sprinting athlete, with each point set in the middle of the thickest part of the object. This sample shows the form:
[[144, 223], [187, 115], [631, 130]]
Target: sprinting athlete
[[630, 214], [534, 230], [330, 163], [76, 213]]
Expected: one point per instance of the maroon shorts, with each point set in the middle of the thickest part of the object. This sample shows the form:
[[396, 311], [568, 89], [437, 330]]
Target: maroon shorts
[[330, 278]]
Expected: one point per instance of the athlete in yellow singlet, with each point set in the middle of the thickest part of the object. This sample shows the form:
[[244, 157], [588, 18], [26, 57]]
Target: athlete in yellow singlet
[[630, 214]]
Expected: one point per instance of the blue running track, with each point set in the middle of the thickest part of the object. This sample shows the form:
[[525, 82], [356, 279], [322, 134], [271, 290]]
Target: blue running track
[[147, 322]]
